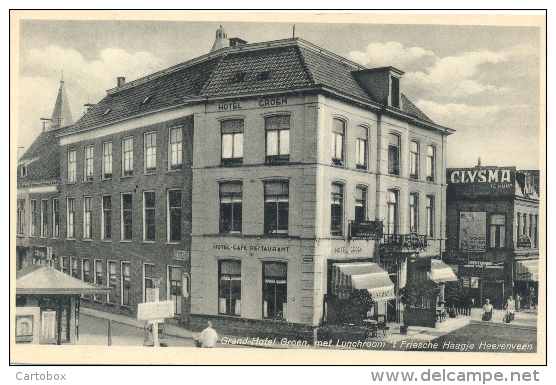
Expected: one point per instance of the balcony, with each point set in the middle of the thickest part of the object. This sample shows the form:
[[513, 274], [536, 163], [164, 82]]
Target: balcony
[[404, 242]]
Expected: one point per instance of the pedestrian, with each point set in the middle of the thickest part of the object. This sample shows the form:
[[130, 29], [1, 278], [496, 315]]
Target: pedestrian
[[532, 298], [487, 310], [208, 336], [517, 302], [510, 308]]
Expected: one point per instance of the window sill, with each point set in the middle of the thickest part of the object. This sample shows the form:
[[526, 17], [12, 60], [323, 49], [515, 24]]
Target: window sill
[[149, 173], [276, 235], [126, 241], [87, 181], [87, 240], [173, 243], [113, 304], [55, 238], [106, 179], [71, 239], [149, 242], [126, 177], [176, 170], [20, 235], [42, 237]]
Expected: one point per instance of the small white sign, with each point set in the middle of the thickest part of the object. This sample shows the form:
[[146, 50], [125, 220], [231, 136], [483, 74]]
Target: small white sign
[[150, 311]]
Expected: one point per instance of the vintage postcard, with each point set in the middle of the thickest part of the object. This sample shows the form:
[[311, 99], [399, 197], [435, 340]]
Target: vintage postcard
[[277, 188]]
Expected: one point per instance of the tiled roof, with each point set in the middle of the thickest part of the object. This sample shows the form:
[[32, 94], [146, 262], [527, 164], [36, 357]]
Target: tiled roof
[[163, 91], [293, 64], [41, 159], [286, 72]]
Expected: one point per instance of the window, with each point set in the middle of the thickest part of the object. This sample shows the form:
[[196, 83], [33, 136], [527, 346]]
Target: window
[[337, 209], [430, 216], [230, 207], [413, 213], [74, 267], [150, 152], [149, 279], [524, 231], [338, 134], [229, 287], [87, 218], [414, 159], [55, 218], [535, 233], [107, 160], [23, 171], [275, 290], [111, 271], [99, 278], [174, 215], [89, 158], [127, 156], [33, 221], [86, 274], [265, 75], [106, 217], [392, 226], [127, 215], [72, 166], [518, 226], [360, 204], [149, 225], [126, 284], [239, 77], [530, 226], [232, 141], [277, 139], [497, 230], [20, 216], [430, 162], [361, 148], [276, 207], [394, 154], [176, 148], [71, 218], [395, 97], [64, 265], [175, 288], [44, 218]]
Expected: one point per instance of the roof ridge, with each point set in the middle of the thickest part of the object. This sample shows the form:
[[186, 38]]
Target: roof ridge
[[212, 74], [305, 65], [330, 54]]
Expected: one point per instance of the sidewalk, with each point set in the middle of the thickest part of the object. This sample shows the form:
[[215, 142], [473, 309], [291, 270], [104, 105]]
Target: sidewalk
[[413, 332], [524, 318]]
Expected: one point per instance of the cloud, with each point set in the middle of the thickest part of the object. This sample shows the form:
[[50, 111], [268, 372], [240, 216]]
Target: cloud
[[86, 81], [391, 54]]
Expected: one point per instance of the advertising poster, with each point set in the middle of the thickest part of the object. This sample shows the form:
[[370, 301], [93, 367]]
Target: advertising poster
[[472, 232]]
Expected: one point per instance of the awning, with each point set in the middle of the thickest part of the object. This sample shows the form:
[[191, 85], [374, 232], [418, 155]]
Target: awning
[[527, 270], [361, 275], [42, 279], [440, 272]]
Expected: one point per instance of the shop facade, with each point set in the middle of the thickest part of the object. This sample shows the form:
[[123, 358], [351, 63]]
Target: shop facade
[[495, 252]]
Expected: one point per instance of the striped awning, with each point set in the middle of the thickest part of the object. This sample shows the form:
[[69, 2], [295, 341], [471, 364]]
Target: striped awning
[[361, 275], [527, 270], [440, 272]]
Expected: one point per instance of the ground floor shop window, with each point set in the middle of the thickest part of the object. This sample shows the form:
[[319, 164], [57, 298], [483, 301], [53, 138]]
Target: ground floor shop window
[[111, 271], [229, 287], [175, 287], [275, 290]]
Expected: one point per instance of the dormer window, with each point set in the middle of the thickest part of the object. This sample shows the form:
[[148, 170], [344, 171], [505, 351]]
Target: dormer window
[[23, 171], [265, 75], [395, 92], [240, 77]]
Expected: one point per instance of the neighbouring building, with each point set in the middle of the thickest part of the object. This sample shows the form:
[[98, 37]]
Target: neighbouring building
[[255, 183], [38, 191], [493, 231]]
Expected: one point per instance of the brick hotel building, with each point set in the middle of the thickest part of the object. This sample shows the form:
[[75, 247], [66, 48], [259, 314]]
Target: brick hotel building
[[242, 180]]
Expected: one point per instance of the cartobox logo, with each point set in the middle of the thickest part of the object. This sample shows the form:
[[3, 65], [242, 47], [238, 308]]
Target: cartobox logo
[[39, 376]]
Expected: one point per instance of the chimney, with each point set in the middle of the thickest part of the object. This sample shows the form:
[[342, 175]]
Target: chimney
[[121, 81], [383, 84], [235, 41]]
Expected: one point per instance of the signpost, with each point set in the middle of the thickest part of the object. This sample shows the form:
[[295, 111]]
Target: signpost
[[155, 312]]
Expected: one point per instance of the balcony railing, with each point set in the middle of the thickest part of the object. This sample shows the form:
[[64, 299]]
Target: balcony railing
[[405, 241]]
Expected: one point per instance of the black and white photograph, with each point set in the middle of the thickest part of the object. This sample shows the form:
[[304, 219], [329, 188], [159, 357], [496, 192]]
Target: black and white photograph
[[278, 183]]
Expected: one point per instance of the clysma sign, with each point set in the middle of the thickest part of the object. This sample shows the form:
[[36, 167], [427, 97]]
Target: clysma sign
[[482, 181]]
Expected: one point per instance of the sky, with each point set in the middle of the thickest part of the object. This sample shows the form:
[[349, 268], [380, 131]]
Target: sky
[[482, 81]]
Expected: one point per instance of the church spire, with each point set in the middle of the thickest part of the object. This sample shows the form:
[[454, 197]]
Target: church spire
[[61, 116]]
